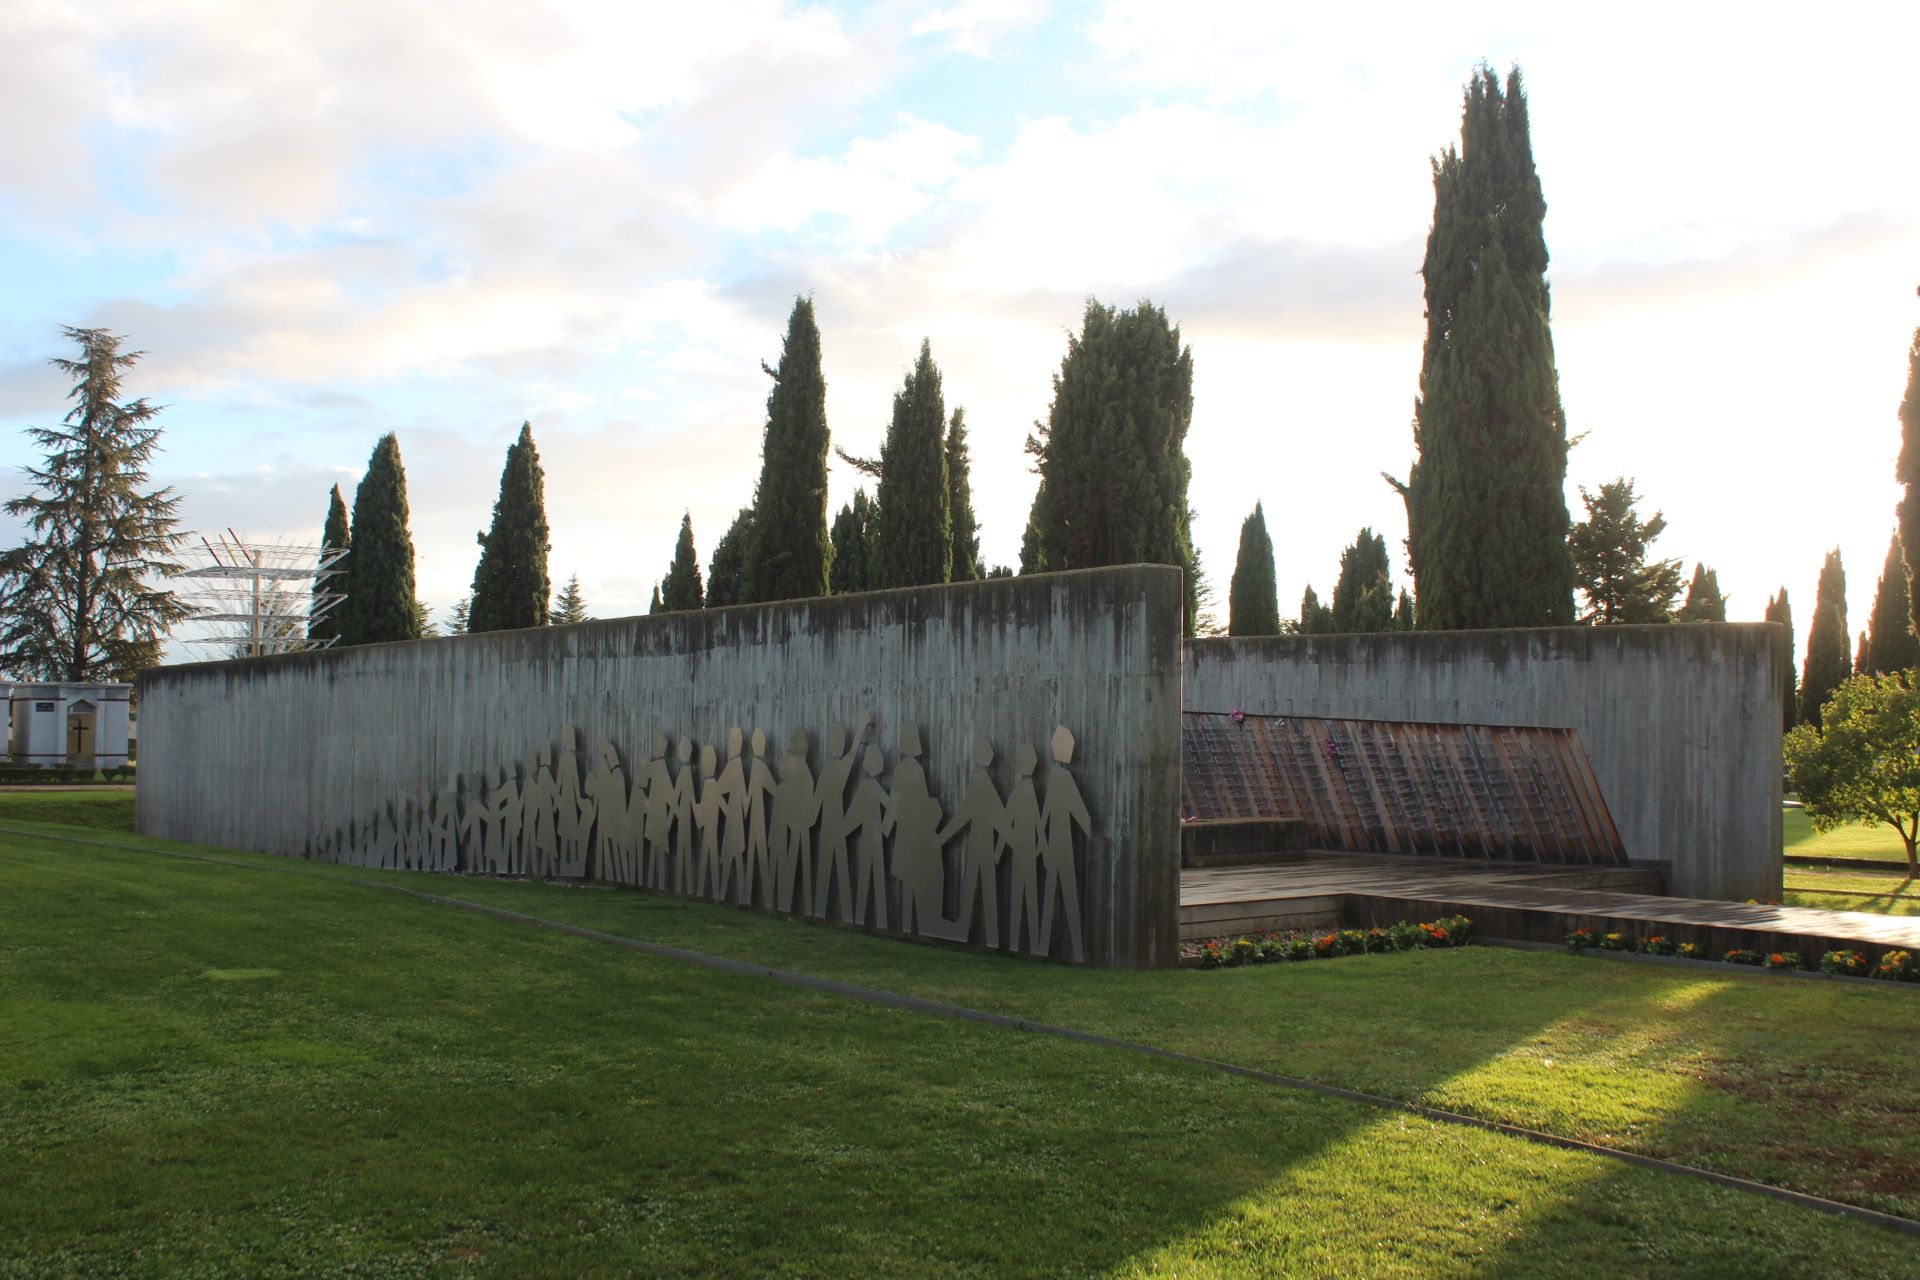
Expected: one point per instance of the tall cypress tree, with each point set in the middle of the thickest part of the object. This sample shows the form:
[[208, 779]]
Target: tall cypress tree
[[966, 529], [853, 546], [1908, 473], [1781, 611], [1253, 599], [380, 602], [1112, 453], [1363, 595], [1891, 645], [1486, 506], [725, 585], [681, 588], [1316, 619], [913, 529], [789, 553], [324, 628], [1704, 601], [510, 585], [1403, 612], [1828, 662]]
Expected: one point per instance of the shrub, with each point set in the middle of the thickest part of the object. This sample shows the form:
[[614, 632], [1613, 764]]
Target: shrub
[[1782, 960], [1740, 955], [1897, 966], [1378, 940], [1580, 939], [1353, 942], [1691, 951], [1404, 935], [1273, 948], [1458, 928], [1657, 945], [1615, 942], [1210, 957], [1300, 949], [1242, 951], [1851, 963]]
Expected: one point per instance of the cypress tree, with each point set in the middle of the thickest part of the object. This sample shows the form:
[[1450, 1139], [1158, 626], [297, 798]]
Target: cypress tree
[[1363, 595], [789, 554], [1403, 612], [913, 525], [966, 528], [324, 628], [510, 585], [1112, 453], [1860, 656], [681, 588], [1704, 601], [1253, 600], [1828, 663], [1031, 559], [1891, 645], [1610, 549], [380, 602], [570, 606], [1908, 473], [1780, 611], [458, 616], [1486, 506], [657, 605], [853, 546], [1316, 619], [725, 573]]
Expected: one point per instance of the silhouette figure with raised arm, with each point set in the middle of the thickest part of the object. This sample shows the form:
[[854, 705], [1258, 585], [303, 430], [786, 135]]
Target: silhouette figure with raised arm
[[573, 820], [443, 827], [471, 833], [836, 770], [983, 815], [659, 814], [1023, 848], [605, 794], [512, 831], [1061, 812], [916, 842], [680, 801], [870, 814], [759, 799], [733, 821], [796, 807], [539, 800], [704, 881]]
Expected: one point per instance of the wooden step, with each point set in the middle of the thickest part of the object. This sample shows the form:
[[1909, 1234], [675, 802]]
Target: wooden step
[[1242, 842]]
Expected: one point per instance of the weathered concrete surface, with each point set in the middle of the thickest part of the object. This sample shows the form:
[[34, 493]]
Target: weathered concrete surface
[[271, 753], [1681, 722]]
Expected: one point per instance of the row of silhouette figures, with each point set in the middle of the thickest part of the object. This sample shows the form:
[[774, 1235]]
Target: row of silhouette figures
[[841, 845]]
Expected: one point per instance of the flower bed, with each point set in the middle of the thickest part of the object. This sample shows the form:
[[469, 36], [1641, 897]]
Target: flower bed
[[1894, 966], [1271, 948]]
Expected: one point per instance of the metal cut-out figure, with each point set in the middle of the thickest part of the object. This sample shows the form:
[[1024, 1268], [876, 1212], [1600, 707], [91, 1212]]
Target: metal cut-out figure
[[796, 807], [680, 801], [733, 821], [659, 813], [704, 881], [1023, 849], [916, 844], [1062, 811], [573, 819], [443, 827], [540, 801], [471, 833], [983, 814], [836, 770], [870, 814], [508, 812], [759, 798], [604, 792]]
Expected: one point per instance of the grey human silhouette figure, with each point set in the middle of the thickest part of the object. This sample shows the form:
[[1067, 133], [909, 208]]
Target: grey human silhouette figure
[[796, 808], [759, 862], [471, 833], [984, 816], [573, 812], [1023, 849], [870, 814], [605, 792], [658, 823], [386, 838], [917, 863], [732, 798], [508, 809], [443, 826], [680, 800], [836, 770], [1062, 811], [413, 830], [539, 807], [704, 880]]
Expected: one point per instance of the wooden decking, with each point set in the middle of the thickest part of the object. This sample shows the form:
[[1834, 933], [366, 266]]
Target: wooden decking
[[1528, 902]]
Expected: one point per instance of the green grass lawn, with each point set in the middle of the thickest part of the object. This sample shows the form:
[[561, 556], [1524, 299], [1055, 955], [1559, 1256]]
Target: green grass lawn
[[1855, 840], [106, 810], [210, 1069], [1888, 892]]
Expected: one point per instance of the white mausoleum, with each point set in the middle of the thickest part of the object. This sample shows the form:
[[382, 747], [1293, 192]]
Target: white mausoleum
[[68, 726]]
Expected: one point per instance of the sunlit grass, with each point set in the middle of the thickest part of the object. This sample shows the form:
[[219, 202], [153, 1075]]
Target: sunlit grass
[[1855, 840]]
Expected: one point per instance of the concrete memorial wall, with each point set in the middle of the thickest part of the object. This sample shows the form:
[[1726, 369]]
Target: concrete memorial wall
[[1681, 722], [994, 763]]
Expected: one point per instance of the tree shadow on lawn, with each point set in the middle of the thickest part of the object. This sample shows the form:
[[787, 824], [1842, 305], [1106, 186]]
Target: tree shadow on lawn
[[383, 1094]]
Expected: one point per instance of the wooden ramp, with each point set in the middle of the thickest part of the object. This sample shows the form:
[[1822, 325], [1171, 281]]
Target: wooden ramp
[[1527, 903]]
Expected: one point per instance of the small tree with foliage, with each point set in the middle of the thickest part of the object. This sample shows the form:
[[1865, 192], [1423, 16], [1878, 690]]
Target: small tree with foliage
[[1828, 662], [1363, 594], [966, 526], [1253, 601], [852, 532], [510, 585], [323, 628], [726, 573], [1704, 603], [1862, 764], [380, 604], [1891, 645], [1780, 610], [682, 589], [1316, 619], [570, 605], [1610, 565]]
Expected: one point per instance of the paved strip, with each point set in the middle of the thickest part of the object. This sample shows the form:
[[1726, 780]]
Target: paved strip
[[963, 1013]]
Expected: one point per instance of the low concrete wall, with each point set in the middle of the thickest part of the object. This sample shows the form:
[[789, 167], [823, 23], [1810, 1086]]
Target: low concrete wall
[[1681, 722], [325, 754]]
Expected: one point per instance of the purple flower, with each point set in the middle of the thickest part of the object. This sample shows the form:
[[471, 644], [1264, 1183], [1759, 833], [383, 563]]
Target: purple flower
[[1236, 715]]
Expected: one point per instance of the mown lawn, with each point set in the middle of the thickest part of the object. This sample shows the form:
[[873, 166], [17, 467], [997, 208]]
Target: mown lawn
[[1855, 840], [105, 810], [204, 1068]]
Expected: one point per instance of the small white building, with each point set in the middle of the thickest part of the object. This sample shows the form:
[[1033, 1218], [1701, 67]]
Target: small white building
[[68, 726]]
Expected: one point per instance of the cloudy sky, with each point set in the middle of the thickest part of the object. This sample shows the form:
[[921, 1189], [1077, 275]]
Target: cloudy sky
[[324, 221]]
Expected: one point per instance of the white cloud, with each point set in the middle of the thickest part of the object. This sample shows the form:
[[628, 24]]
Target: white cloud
[[973, 26]]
